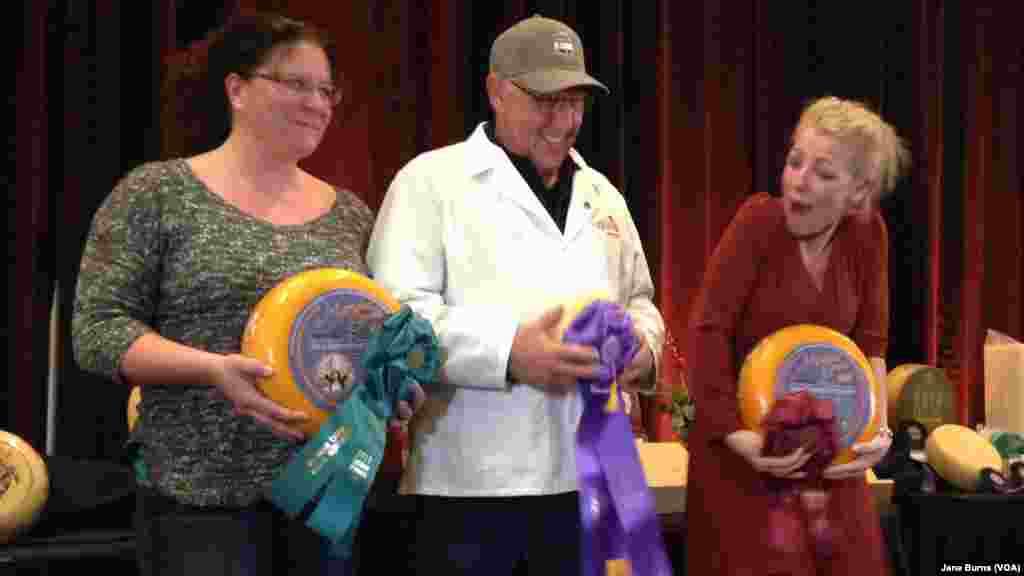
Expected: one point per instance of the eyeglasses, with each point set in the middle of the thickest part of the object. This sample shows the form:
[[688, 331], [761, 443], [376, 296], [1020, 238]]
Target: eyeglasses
[[547, 104], [301, 87]]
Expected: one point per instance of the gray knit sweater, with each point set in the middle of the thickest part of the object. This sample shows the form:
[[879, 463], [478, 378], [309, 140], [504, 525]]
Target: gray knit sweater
[[166, 254]]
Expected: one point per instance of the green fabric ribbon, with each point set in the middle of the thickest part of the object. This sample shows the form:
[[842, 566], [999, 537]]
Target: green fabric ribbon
[[339, 464]]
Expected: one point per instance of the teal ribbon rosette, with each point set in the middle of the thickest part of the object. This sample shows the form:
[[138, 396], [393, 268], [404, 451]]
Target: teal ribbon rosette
[[333, 472]]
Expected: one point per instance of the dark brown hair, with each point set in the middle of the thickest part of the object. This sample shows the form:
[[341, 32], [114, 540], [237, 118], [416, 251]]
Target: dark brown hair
[[195, 112]]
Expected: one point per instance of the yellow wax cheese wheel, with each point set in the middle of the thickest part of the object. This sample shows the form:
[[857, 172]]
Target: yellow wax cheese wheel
[[312, 329], [822, 361], [921, 393], [958, 454], [895, 381], [133, 406], [24, 486]]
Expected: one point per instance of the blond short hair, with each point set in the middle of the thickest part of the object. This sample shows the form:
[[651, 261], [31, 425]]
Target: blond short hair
[[879, 154]]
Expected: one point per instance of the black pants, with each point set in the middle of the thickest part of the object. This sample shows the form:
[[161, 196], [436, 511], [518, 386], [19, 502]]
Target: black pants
[[535, 535], [179, 540]]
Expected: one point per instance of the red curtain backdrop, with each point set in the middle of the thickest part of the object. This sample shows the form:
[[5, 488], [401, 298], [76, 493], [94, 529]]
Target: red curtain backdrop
[[704, 96]]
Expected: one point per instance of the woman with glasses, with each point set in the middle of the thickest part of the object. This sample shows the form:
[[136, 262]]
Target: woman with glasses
[[177, 257]]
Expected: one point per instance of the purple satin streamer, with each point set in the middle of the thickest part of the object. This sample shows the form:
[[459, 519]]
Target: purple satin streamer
[[616, 505]]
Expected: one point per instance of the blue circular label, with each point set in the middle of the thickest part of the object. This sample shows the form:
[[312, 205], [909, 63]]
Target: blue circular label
[[829, 373], [327, 342]]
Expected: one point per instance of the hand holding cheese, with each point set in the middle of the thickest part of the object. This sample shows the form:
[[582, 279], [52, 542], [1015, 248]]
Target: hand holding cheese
[[538, 356], [641, 365], [236, 377], [831, 367], [155, 360], [871, 452], [749, 444], [868, 454]]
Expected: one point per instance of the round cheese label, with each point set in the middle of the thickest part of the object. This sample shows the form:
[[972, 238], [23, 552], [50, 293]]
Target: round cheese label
[[312, 330], [24, 486], [829, 373], [822, 361], [327, 341]]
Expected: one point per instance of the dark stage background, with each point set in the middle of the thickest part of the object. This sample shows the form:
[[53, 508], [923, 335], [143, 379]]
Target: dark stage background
[[704, 96]]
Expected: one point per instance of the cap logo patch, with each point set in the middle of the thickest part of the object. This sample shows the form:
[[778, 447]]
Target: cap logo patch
[[563, 45]]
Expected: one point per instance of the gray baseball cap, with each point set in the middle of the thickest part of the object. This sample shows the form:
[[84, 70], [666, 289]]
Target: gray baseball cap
[[543, 56]]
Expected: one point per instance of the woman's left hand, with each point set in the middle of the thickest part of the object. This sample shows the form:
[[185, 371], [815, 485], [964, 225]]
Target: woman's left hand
[[868, 454]]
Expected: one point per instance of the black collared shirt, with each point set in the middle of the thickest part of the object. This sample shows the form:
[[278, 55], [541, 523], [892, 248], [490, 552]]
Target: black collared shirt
[[555, 199]]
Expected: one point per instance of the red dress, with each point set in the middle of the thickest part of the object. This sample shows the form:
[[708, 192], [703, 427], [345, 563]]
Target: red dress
[[755, 284]]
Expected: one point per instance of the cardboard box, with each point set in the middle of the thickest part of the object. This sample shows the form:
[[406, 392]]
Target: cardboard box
[[665, 466], [882, 489], [665, 469], [1004, 386]]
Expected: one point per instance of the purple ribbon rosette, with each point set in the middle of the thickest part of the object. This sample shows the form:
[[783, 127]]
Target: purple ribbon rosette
[[617, 511]]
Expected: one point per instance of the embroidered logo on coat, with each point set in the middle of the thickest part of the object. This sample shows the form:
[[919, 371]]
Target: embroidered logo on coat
[[608, 226]]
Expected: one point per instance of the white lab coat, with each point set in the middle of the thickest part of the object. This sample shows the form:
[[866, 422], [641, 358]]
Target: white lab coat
[[463, 240]]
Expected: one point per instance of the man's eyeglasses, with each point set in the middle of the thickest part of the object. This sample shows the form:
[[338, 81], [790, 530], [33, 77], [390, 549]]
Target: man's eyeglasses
[[549, 103], [301, 87]]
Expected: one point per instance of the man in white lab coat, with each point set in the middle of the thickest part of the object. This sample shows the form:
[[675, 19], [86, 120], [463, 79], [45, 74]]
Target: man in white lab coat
[[486, 238]]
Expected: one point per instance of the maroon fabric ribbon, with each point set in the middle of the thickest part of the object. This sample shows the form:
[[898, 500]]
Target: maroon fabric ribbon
[[800, 505]]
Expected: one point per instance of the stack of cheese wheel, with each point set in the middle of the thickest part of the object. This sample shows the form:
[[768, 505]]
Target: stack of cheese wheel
[[920, 393], [959, 454], [311, 329], [24, 486], [825, 363]]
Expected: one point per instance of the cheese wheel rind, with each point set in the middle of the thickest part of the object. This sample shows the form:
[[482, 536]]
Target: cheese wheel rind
[[958, 454], [781, 360], [26, 486], [920, 393], [279, 333], [895, 381], [133, 406]]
